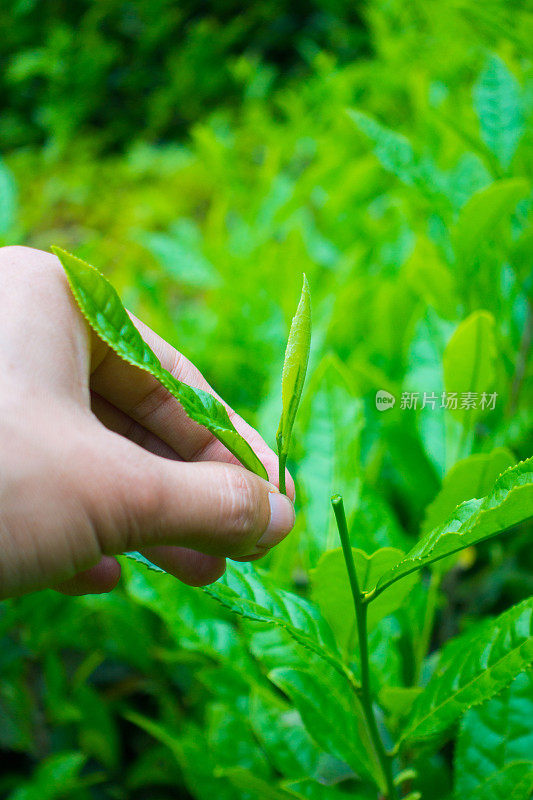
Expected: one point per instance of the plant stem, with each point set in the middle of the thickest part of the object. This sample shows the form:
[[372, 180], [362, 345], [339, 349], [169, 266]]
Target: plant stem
[[361, 618], [429, 619], [282, 461]]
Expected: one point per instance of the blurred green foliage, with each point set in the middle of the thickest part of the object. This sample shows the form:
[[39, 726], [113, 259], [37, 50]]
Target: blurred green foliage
[[204, 157]]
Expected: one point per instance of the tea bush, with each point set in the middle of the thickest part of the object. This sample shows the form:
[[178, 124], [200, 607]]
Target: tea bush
[[400, 183]]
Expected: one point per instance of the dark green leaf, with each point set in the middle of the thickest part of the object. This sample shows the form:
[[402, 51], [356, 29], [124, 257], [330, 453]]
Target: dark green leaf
[[494, 735], [472, 671], [332, 715]]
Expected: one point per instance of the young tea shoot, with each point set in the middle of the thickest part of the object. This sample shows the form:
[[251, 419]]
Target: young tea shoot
[[293, 376]]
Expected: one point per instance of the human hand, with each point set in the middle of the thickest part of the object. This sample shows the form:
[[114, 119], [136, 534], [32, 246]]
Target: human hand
[[98, 458]]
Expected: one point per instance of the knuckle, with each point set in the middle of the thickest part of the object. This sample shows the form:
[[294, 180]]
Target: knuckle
[[242, 512]]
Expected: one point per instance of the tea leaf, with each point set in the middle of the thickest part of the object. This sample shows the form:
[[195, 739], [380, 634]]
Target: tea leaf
[[293, 376], [498, 103], [473, 669], [331, 590], [469, 363], [103, 310], [509, 503], [481, 215], [332, 715], [247, 781], [471, 477], [247, 593], [513, 782], [494, 735]]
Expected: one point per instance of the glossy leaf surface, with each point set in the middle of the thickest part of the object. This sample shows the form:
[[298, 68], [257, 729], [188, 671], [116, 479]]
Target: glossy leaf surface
[[294, 368], [472, 670], [494, 735], [103, 310], [509, 503], [331, 590]]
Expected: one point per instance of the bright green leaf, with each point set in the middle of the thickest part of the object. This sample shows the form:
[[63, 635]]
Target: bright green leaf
[[103, 310], [509, 503], [331, 590], [293, 376], [469, 364], [498, 103], [482, 214], [473, 670], [472, 477]]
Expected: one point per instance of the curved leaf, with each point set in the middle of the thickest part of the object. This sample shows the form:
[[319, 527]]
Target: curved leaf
[[333, 717], [245, 592], [473, 669], [294, 370], [509, 503], [331, 590], [469, 362], [102, 308], [494, 736], [513, 782], [481, 215], [498, 103], [470, 477]]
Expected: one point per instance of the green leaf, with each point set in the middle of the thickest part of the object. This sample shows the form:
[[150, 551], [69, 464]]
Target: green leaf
[[331, 590], [293, 376], [258, 787], [498, 104], [494, 735], [469, 364], [513, 782], [481, 215], [8, 199], [55, 776], [398, 700], [472, 477], [333, 717], [472, 670], [281, 733], [247, 593], [509, 503], [311, 790], [103, 310], [331, 450]]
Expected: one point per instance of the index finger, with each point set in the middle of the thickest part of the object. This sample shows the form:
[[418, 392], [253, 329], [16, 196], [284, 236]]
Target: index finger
[[139, 395]]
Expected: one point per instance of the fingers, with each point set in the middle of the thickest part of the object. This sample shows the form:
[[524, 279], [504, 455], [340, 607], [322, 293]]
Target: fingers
[[190, 566], [211, 507], [143, 399], [103, 577]]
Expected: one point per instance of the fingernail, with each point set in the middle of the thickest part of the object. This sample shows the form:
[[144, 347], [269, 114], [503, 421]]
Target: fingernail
[[281, 520]]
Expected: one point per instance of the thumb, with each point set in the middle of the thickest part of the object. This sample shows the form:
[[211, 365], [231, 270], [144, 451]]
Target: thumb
[[216, 508]]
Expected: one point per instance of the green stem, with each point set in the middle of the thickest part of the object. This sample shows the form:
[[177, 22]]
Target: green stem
[[365, 695], [282, 461], [429, 619]]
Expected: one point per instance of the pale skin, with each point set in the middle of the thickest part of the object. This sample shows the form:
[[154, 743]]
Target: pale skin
[[96, 458]]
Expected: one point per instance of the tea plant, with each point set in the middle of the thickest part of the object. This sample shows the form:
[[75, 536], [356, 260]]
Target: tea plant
[[319, 654]]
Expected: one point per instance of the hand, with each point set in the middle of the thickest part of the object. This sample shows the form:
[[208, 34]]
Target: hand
[[97, 458]]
